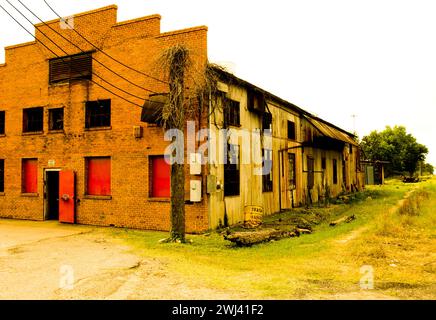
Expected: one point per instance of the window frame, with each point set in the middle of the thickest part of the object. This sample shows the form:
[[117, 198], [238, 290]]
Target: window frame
[[26, 121], [291, 125], [89, 118], [267, 179], [232, 113], [50, 118], [232, 172]]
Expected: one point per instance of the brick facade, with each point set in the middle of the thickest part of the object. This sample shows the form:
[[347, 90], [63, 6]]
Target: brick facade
[[24, 83]]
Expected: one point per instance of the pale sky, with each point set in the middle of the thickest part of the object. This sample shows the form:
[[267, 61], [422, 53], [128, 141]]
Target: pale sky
[[375, 59]]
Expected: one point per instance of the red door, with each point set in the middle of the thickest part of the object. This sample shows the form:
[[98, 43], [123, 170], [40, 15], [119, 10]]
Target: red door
[[66, 197]]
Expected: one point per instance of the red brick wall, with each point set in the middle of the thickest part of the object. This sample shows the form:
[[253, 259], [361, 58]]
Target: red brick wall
[[24, 83]]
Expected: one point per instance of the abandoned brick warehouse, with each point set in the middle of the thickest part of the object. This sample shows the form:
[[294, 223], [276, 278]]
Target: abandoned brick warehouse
[[74, 148]]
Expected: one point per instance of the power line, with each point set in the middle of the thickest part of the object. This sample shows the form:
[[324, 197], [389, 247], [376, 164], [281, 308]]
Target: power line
[[55, 54], [97, 48], [75, 45], [65, 52]]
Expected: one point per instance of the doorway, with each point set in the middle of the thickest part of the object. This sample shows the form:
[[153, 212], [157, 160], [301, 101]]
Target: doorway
[[52, 195]]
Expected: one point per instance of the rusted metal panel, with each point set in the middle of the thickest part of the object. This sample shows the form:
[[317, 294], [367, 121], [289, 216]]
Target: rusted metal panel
[[331, 132]]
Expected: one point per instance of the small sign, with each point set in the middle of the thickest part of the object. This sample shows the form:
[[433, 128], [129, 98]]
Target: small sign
[[253, 216], [51, 163]]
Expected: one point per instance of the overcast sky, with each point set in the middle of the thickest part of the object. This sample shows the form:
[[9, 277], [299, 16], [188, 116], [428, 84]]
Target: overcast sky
[[375, 59]]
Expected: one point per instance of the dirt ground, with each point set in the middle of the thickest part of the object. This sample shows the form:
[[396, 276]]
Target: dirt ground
[[37, 260]]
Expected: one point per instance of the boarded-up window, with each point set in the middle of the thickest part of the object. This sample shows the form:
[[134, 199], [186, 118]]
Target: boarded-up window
[[291, 171], [33, 119], [98, 178], [56, 119], [267, 175], [98, 114], [76, 67], [335, 171], [231, 171], [2, 175], [160, 173], [29, 176], [291, 130], [231, 113], [2, 122]]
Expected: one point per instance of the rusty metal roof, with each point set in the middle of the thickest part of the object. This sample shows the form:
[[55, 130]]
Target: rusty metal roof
[[331, 131]]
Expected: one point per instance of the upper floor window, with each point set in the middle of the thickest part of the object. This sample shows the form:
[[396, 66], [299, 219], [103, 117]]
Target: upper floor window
[[267, 121], [232, 115], [56, 119], [98, 114], [75, 67], [2, 122], [291, 130], [33, 119]]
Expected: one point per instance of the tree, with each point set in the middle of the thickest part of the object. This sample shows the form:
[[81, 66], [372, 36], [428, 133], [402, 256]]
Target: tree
[[427, 169], [396, 146]]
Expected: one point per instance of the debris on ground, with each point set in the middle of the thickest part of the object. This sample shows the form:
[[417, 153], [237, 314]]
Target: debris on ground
[[346, 219]]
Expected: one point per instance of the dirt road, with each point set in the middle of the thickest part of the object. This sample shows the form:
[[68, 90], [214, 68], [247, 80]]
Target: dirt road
[[46, 260]]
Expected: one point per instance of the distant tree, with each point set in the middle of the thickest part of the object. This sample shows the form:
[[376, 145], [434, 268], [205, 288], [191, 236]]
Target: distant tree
[[427, 169], [396, 146]]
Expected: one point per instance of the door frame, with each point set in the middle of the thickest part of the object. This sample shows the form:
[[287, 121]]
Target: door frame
[[45, 198]]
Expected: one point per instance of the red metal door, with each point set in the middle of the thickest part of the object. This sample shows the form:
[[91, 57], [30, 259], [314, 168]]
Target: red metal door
[[66, 197]]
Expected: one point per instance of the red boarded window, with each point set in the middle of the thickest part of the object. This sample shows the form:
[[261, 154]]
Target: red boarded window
[[98, 176], [160, 177], [29, 176]]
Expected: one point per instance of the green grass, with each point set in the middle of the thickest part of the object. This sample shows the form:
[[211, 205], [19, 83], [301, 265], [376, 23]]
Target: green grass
[[309, 266]]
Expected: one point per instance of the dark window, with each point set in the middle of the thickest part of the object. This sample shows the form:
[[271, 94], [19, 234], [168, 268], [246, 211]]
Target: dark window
[[98, 176], [160, 173], [267, 121], [351, 148], [2, 122], [335, 171], [310, 172], [323, 163], [291, 171], [98, 114], [291, 130], [267, 176], [29, 176], [2, 175], [33, 119], [231, 113], [69, 68], [56, 119], [231, 171]]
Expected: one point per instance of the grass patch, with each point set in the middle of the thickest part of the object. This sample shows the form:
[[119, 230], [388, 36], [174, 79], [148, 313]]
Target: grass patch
[[317, 264]]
